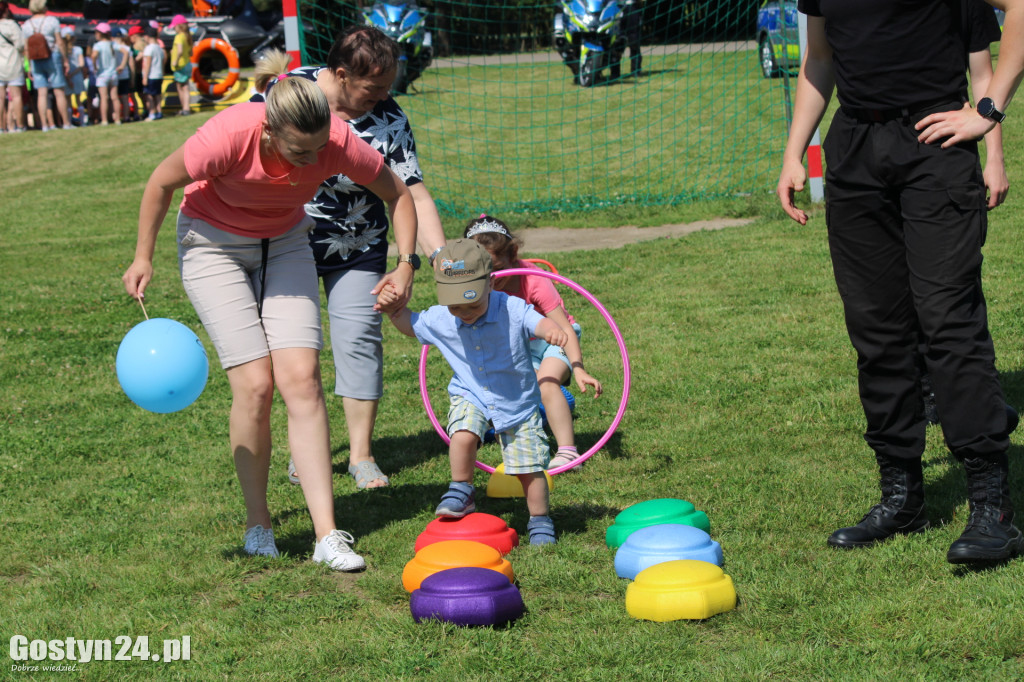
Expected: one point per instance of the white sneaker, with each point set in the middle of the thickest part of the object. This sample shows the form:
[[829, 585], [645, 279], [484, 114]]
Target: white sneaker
[[335, 551], [259, 541]]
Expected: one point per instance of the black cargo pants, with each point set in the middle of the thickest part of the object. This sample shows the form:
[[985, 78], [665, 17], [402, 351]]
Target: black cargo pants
[[906, 223]]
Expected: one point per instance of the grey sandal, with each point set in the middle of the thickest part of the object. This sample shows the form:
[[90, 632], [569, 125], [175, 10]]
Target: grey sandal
[[367, 472], [292, 475]]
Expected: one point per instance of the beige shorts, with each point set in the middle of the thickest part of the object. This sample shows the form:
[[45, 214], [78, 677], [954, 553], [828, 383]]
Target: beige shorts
[[221, 274]]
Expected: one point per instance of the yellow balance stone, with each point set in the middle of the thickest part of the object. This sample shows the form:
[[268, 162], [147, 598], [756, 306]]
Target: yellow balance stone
[[501, 484], [685, 589]]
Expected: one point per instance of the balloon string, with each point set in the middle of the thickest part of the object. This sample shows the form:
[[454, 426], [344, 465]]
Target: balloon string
[[139, 299]]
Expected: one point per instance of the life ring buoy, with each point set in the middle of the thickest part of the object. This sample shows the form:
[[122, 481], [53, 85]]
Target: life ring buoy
[[229, 53]]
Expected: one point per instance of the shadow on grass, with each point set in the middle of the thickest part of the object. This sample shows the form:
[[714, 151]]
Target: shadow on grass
[[647, 73], [964, 570], [568, 519], [629, 79], [365, 511], [362, 512], [393, 454]]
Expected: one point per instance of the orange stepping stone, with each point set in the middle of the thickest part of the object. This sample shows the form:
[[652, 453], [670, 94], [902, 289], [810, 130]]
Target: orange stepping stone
[[446, 554]]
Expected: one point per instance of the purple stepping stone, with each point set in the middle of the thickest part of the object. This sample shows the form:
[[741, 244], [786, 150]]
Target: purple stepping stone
[[664, 542], [467, 595]]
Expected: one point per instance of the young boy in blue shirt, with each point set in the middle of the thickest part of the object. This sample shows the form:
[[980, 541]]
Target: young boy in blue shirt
[[484, 335]]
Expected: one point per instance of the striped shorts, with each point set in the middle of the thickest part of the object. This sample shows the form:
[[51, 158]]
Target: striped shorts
[[524, 448]]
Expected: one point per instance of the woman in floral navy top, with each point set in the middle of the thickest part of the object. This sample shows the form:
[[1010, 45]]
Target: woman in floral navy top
[[350, 238]]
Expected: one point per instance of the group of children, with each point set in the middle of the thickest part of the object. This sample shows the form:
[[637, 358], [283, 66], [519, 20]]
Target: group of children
[[511, 346], [129, 63], [117, 79]]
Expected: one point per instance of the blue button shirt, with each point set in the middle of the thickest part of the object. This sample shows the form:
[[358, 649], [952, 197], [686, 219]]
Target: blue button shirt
[[490, 358]]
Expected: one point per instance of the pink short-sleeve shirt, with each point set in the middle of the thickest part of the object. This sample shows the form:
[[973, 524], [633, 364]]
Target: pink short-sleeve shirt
[[538, 291], [233, 191]]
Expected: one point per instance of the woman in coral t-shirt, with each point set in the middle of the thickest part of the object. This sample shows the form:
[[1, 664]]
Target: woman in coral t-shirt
[[248, 269]]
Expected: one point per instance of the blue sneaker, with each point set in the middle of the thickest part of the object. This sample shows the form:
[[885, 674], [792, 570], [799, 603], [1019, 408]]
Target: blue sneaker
[[541, 530], [458, 501]]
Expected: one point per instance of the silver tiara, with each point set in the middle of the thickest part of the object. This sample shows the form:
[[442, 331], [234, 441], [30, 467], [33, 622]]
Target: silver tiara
[[487, 225]]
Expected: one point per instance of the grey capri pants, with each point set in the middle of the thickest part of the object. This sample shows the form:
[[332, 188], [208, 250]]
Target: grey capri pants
[[356, 337], [221, 275]]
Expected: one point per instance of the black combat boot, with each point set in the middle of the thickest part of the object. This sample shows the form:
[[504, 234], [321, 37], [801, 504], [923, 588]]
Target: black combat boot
[[990, 535], [901, 510]]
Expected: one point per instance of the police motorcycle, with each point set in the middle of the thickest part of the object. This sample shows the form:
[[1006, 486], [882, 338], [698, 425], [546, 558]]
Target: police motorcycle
[[588, 37], [406, 24]]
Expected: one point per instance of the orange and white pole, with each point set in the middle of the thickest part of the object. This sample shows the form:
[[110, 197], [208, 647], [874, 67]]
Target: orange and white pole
[[291, 32]]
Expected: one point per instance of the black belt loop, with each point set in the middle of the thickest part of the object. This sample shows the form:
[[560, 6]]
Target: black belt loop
[[264, 251]]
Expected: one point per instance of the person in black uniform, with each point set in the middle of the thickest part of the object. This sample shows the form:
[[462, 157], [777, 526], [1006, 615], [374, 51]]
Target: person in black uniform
[[982, 30], [906, 217], [632, 13]]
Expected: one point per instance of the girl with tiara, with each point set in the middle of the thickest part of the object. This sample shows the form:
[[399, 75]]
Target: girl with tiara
[[553, 364]]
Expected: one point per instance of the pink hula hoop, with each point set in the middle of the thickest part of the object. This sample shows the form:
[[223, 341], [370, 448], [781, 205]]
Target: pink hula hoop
[[512, 272]]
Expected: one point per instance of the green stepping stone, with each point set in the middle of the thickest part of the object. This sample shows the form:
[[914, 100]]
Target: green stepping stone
[[652, 512]]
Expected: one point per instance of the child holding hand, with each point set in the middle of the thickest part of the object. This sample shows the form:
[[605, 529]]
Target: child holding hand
[[484, 335], [552, 363]]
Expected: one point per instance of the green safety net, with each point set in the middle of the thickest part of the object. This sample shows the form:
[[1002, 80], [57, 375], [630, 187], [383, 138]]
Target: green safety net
[[501, 125]]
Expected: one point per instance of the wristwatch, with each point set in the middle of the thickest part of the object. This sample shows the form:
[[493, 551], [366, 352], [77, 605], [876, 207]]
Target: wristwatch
[[410, 258], [987, 109]]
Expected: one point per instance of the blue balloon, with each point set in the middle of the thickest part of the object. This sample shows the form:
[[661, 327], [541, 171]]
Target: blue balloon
[[162, 366]]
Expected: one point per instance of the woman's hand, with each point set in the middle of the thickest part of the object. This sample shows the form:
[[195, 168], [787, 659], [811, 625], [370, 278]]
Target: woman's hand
[[792, 180], [953, 127], [388, 300], [399, 281], [996, 182], [137, 277]]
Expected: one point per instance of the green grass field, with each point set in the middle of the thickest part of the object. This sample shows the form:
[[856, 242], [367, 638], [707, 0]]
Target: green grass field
[[118, 522]]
